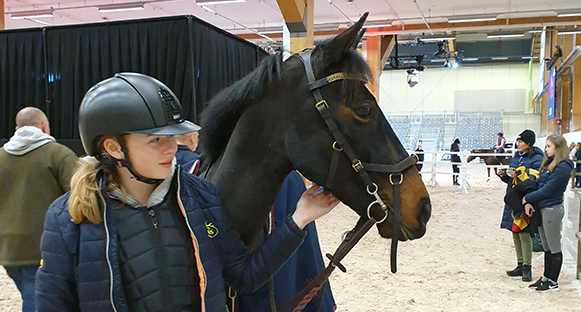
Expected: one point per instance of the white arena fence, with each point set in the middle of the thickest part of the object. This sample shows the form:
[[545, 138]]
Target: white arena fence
[[441, 165], [570, 230]]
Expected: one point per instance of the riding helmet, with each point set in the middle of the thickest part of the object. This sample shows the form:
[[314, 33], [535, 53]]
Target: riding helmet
[[130, 103]]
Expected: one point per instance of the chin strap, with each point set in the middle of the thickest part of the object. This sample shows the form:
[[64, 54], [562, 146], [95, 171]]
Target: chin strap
[[107, 159]]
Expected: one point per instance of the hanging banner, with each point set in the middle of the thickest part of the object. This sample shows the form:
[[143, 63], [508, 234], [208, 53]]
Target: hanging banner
[[542, 61], [551, 95]]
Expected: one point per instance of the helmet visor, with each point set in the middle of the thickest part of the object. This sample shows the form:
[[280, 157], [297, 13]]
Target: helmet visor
[[175, 129]]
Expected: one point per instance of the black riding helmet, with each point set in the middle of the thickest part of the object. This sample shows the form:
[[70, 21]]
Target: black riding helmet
[[129, 103]]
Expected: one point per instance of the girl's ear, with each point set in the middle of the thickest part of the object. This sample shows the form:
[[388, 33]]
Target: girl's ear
[[113, 148]]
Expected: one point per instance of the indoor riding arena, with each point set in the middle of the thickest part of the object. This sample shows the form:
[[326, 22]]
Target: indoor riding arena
[[168, 136]]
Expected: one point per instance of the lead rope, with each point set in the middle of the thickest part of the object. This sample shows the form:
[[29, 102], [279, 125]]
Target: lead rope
[[304, 296]]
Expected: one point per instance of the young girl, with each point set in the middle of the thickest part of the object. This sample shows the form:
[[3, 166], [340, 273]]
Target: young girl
[[136, 233], [552, 182]]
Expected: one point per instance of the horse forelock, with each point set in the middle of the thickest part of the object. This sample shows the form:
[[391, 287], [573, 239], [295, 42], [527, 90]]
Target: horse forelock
[[224, 109]]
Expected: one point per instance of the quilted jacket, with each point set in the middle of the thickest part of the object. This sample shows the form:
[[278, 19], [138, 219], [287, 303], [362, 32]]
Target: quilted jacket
[[80, 269]]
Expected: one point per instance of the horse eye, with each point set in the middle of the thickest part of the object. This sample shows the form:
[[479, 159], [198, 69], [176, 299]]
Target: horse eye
[[363, 111]]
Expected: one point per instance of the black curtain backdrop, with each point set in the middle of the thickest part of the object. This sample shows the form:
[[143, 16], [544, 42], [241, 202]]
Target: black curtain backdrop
[[52, 68], [22, 75]]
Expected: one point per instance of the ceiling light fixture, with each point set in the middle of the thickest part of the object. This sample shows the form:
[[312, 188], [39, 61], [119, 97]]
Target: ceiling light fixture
[[121, 7], [377, 24], [470, 59], [438, 39], [569, 32], [210, 2], [568, 14], [500, 58], [505, 36], [468, 19], [31, 14]]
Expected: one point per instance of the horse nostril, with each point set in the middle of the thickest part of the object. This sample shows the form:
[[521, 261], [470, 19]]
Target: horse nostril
[[425, 209]]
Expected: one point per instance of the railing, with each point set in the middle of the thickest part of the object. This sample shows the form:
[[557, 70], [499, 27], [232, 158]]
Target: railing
[[463, 175]]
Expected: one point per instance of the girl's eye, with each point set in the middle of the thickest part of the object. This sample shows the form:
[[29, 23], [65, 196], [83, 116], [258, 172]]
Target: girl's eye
[[155, 140]]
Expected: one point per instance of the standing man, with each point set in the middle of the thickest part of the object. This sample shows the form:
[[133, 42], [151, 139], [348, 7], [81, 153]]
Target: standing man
[[455, 159], [35, 171], [500, 142], [187, 144]]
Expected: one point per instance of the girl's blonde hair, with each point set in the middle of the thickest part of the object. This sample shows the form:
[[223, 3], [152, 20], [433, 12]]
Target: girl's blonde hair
[[83, 202], [561, 152]]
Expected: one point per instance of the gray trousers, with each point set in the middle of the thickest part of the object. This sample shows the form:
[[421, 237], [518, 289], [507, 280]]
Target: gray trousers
[[550, 231]]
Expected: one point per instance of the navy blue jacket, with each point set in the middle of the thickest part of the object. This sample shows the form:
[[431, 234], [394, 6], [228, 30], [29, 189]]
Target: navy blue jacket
[[532, 162], [552, 185], [80, 268], [185, 155], [301, 268]]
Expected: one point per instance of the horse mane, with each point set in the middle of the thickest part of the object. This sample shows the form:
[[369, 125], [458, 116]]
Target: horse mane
[[224, 109]]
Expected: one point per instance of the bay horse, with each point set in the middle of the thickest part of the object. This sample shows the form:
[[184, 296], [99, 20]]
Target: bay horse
[[489, 160], [255, 132]]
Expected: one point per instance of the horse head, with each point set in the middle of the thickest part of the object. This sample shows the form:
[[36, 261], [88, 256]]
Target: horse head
[[310, 143], [471, 157], [267, 124]]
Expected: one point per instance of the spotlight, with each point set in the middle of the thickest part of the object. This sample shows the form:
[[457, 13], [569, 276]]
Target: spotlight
[[413, 77]]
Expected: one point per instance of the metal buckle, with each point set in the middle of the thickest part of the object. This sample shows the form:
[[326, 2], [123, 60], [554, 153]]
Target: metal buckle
[[355, 165], [399, 182], [335, 147], [323, 102]]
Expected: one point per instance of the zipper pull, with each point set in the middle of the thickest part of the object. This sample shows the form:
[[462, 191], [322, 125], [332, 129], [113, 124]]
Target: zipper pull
[[151, 214]]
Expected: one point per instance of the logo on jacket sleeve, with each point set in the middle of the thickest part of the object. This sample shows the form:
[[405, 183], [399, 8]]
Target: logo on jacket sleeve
[[212, 230]]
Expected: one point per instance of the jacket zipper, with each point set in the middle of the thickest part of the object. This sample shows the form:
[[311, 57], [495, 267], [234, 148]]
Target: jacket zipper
[[107, 256], [201, 267]]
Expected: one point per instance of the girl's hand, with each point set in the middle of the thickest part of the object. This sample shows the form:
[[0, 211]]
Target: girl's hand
[[312, 206], [529, 209], [524, 201]]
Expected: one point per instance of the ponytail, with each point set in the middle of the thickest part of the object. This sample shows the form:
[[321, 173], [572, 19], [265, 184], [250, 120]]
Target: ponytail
[[86, 200]]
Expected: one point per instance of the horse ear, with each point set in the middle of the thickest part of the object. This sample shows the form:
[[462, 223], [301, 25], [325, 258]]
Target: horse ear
[[336, 47], [359, 37]]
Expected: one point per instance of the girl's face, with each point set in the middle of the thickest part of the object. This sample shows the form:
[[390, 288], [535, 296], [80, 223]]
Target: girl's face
[[521, 146], [550, 148], [151, 155]]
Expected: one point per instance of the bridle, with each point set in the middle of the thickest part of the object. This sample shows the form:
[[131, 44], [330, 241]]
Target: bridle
[[342, 146]]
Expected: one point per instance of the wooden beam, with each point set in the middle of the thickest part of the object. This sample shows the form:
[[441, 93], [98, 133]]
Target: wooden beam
[[377, 50], [576, 87], [292, 10], [2, 21], [301, 40]]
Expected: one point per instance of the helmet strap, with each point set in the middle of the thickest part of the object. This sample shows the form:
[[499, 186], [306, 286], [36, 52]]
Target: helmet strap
[[127, 164]]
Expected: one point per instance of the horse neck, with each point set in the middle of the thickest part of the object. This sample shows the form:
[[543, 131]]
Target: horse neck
[[249, 175]]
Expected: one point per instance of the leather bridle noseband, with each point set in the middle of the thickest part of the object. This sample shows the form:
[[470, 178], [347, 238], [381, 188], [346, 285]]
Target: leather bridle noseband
[[339, 146]]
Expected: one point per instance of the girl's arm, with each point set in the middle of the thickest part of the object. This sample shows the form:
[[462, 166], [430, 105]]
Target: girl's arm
[[55, 288]]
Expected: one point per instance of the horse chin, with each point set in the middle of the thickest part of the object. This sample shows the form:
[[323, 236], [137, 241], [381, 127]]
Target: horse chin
[[405, 233], [386, 231]]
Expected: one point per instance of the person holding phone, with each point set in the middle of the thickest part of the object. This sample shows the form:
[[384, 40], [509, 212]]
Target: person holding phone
[[527, 159], [548, 198]]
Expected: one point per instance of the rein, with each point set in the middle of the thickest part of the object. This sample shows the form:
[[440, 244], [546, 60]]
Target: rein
[[339, 146]]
